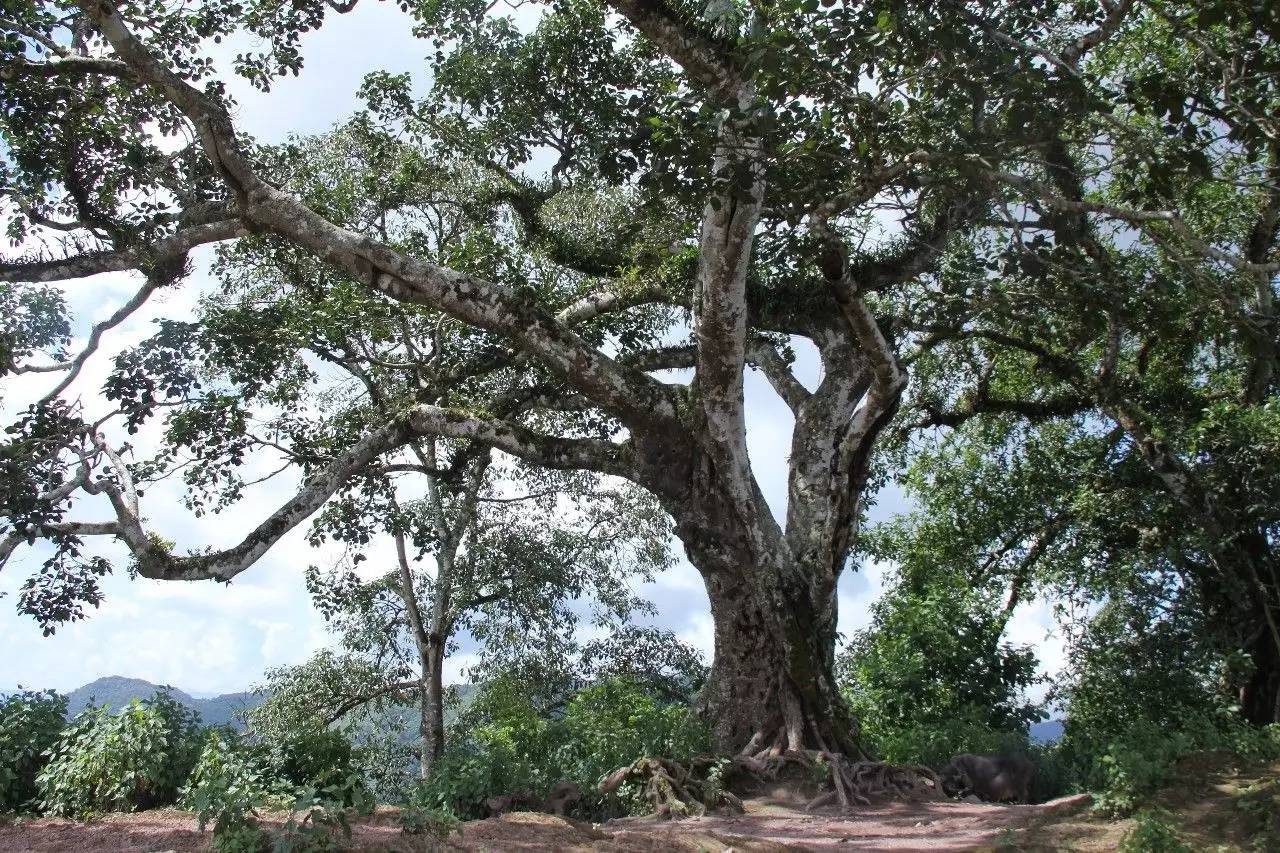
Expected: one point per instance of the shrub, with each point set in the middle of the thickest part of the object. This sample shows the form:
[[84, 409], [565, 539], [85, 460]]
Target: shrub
[[134, 759], [508, 747], [233, 779], [935, 744], [312, 757], [511, 754], [30, 724], [229, 782], [616, 722], [419, 816], [1126, 767], [1154, 833]]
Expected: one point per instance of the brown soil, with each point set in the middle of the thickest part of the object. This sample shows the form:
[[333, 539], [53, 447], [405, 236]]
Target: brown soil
[[767, 827]]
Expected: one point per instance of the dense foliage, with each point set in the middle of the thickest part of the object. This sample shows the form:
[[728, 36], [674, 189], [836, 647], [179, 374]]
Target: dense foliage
[[136, 758], [310, 777], [505, 744], [30, 724], [932, 675]]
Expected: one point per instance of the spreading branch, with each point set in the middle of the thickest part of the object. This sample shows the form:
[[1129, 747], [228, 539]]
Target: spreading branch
[[637, 398], [702, 59], [88, 264]]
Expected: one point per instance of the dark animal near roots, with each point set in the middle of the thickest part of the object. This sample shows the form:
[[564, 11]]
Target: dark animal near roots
[[562, 797], [993, 778]]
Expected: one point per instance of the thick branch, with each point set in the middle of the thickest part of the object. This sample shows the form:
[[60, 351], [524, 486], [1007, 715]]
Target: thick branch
[[1064, 406], [704, 60], [95, 263], [155, 562], [729, 223], [536, 448], [601, 302], [762, 354], [64, 67], [634, 397]]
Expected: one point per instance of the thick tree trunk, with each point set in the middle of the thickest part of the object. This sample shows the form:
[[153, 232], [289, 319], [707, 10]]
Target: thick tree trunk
[[1260, 694], [771, 684], [772, 681], [1250, 605]]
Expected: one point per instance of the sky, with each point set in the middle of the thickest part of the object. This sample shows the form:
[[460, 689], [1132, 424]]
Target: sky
[[210, 638]]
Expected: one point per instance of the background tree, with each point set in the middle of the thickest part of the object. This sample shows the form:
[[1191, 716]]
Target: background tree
[[933, 675], [764, 154], [496, 549], [1097, 397]]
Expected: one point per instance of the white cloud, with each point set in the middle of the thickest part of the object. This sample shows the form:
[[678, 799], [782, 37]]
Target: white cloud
[[457, 668], [699, 632], [856, 593]]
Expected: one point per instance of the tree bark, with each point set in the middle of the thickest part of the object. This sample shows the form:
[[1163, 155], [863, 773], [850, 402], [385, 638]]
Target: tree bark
[[431, 694], [771, 684], [1260, 694]]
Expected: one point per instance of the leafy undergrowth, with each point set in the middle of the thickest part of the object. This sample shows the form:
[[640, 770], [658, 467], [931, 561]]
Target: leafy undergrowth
[[1217, 802]]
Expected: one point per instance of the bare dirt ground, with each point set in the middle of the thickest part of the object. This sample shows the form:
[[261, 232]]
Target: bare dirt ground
[[765, 828]]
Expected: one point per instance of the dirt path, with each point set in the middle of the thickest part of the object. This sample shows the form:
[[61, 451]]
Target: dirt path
[[765, 828], [939, 826]]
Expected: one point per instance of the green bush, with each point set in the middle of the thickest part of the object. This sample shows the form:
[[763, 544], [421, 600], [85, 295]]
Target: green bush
[[1125, 767], [505, 745], [1144, 689], [30, 724], [935, 744], [229, 782], [1154, 833], [234, 779], [616, 722], [137, 758], [509, 754], [312, 757], [419, 816]]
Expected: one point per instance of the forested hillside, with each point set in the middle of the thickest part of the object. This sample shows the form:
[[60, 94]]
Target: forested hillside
[[116, 691]]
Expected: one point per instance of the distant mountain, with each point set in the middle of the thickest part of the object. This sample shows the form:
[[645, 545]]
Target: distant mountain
[[1049, 731], [116, 691]]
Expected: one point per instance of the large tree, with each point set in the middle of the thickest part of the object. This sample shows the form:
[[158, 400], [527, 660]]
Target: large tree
[[751, 176]]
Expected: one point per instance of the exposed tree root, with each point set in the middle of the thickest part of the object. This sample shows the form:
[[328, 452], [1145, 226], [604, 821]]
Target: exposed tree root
[[676, 789], [862, 781], [681, 789]]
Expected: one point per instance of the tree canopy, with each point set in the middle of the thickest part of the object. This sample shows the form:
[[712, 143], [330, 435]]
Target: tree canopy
[[996, 225]]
